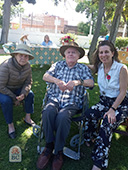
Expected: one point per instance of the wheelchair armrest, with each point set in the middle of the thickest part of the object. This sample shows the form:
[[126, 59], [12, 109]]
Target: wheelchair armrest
[[85, 103]]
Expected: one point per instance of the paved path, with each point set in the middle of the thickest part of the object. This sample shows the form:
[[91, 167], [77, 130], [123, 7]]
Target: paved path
[[2, 51], [2, 58], [84, 59]]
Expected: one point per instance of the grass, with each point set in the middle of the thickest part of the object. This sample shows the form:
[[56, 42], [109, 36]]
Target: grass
[[118, 159], [1, 46]]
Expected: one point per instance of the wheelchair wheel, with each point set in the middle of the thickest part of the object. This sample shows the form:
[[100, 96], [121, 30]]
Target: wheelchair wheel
[[36, 131], [75, 141]]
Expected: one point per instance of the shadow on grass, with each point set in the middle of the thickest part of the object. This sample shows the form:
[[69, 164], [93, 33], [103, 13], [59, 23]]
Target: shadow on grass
[[118, 158]]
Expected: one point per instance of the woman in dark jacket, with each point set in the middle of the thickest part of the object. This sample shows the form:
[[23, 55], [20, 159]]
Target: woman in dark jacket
[[15, 85]]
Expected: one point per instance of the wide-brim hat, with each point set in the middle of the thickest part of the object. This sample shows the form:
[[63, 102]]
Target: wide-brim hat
[[22, 49], [72, 44], [24, 36]]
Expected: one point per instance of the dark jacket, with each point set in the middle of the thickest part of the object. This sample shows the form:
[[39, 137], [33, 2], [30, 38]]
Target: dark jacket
[[14, 76]]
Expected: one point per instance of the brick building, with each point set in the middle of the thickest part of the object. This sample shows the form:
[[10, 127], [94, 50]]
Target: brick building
[[45, 23]]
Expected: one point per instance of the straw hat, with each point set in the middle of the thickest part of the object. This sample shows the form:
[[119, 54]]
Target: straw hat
[[24, 36], [23, 49], [72, 44]]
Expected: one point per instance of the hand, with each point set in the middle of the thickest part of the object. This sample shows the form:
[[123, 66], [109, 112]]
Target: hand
[[20, 97], [111, 116], [62, 85], [70, 85], [17, 103]]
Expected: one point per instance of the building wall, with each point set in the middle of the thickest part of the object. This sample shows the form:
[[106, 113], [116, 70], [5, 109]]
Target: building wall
[[45, 23], [70, 29]]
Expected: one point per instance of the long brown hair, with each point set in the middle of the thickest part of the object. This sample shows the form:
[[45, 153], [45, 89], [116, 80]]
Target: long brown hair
[[96, 61]]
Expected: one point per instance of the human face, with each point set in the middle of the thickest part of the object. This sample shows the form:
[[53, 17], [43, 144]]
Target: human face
[[105, 54], [22, 59], [47, 38], [71, 56]]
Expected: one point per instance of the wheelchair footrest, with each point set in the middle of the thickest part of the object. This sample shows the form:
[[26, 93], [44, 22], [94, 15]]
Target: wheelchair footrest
[[71, 154], [66, 151]]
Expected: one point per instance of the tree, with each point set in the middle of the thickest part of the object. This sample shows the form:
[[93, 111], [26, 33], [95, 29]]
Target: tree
[[15, 10], [106, 14], [1, 12], [97, 29], [116, 21], [103, 30], [114, 27], [83, 28], [6, 21], [6, 17], [125, 15]]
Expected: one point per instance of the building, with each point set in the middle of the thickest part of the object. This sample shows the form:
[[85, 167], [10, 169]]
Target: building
[[45, 23], [70, 29], [42, 22]]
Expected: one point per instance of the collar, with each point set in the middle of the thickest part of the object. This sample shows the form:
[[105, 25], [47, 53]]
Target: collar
[[75, 66], [112, 67], [16, 64]]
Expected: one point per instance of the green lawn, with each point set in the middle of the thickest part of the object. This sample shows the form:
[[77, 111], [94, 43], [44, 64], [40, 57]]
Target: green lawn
[[28, 142]]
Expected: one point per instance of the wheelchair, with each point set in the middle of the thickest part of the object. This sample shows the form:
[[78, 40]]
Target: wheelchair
[[77, 140]]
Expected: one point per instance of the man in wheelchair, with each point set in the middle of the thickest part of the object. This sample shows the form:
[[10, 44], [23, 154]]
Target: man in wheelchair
[[67, 81]]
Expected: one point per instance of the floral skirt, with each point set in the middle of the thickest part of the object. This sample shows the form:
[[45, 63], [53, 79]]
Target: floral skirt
[[102, 133]]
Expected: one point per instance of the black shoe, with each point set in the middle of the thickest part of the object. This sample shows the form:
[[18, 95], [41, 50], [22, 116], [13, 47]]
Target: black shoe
[[29, 124], [12, 135]]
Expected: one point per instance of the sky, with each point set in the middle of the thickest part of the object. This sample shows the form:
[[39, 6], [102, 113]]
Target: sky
[[64, 10]]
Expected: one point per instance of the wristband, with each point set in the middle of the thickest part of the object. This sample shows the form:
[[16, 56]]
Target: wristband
[[113, 108], [82, 82]]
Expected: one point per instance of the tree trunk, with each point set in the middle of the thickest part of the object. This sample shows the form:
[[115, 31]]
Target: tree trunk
[[116, 21], [97, 29], [5, 21]]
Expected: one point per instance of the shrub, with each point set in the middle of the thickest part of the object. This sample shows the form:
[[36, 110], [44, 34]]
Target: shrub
[[121, 42]]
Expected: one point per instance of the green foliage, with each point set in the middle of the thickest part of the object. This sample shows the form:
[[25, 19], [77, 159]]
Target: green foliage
[[103, 30], [125, 11], [73, 36], [56, 2], [16, 10], [1, 12], [109, 10], [90, 8], [31, 1], [121, 42], [16, 2], [83, 28]]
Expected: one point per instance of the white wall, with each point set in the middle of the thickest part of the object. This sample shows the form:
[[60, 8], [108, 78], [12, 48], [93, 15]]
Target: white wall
[[36, 37]]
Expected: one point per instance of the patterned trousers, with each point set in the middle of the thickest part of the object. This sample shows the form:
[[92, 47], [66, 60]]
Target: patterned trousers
[[103, 136]]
